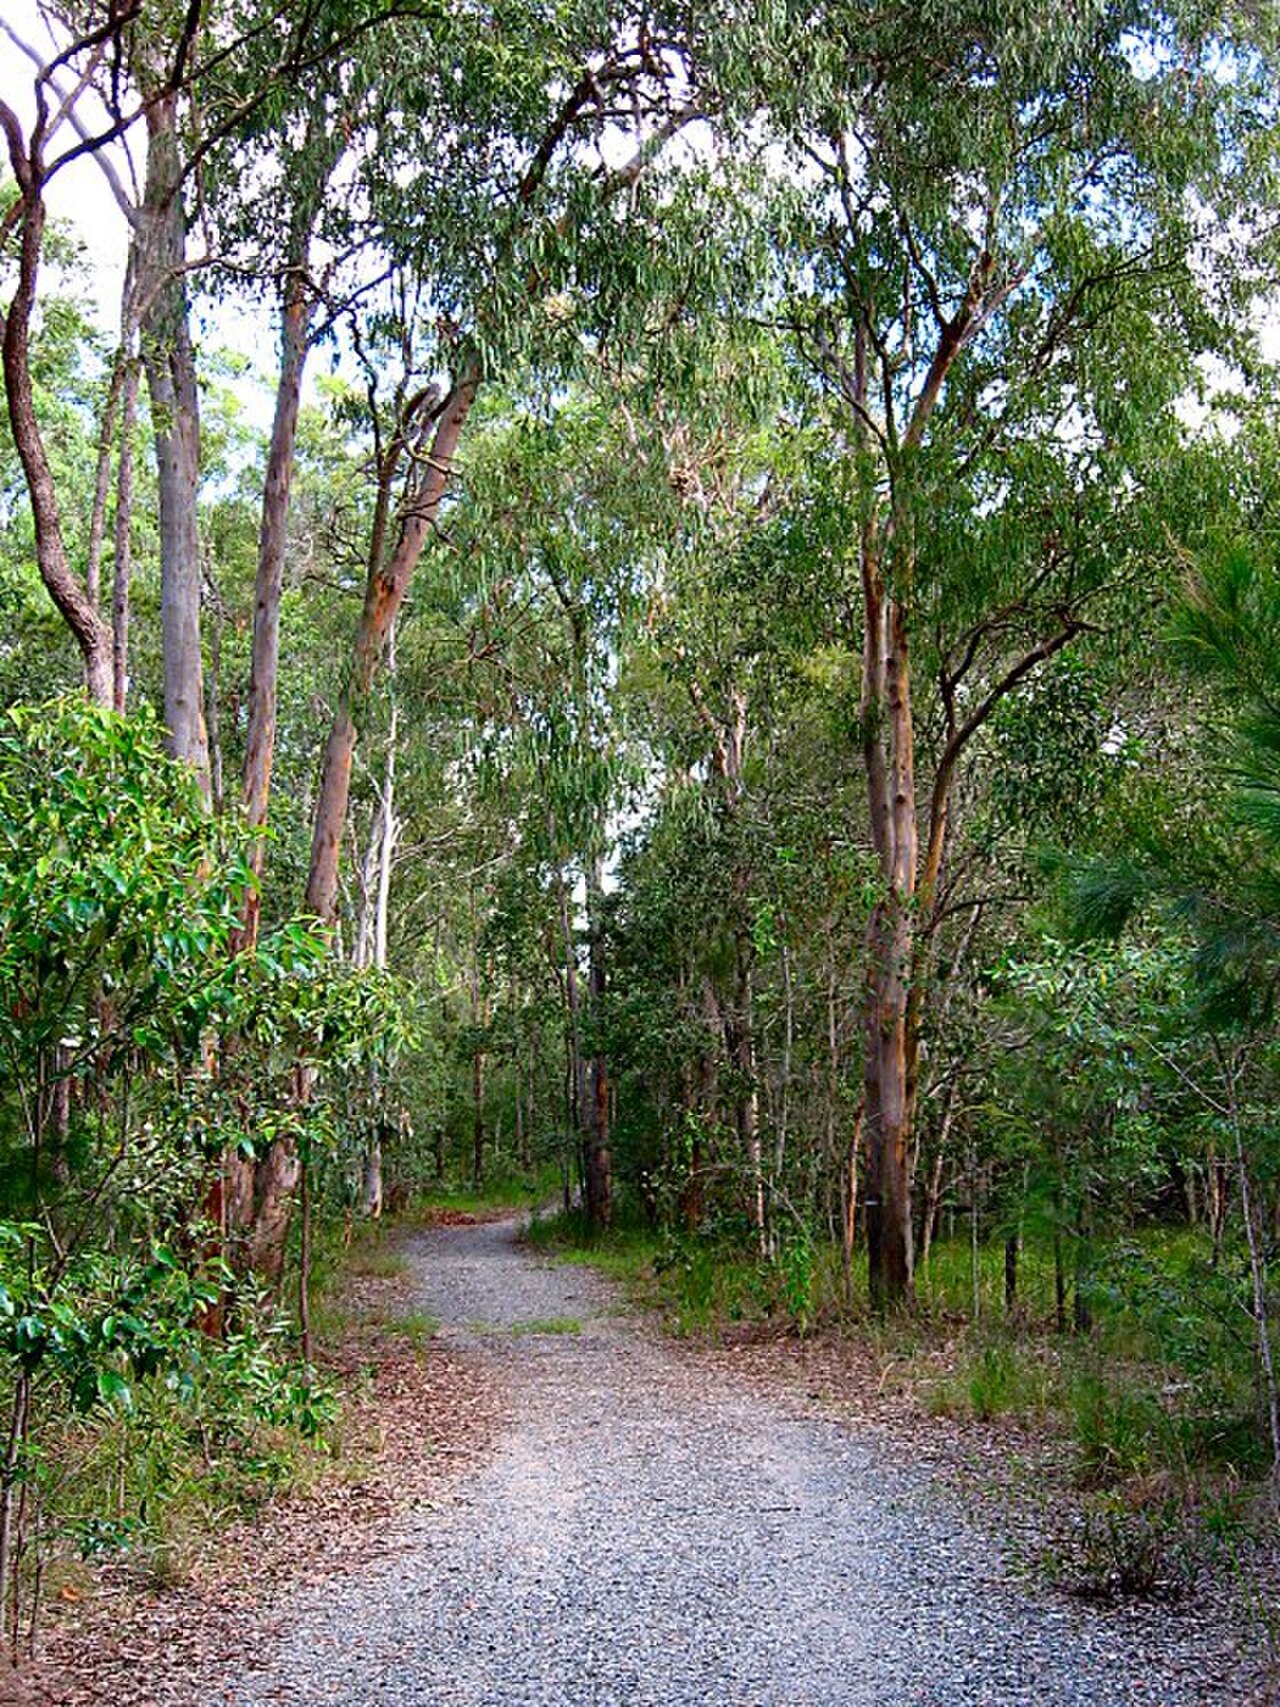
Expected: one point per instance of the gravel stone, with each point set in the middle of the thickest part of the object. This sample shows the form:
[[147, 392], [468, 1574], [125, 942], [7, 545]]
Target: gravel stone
[[649, 1533]]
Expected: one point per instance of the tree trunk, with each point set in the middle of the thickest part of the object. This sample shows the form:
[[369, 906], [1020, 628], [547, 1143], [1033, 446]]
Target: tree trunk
[[599, 1160], [747, 1102], [372, 1195], [388, 582], [102, 479], [932, 1205], [122, 573], [78, 610], [276, 1180], [169, 360], [573, 1008], [889, 764], [297, 311], [11, 1482], [1059, 1269], [788, 1055], [479, 1017], [304, 1263], [849, 1208], [213, 697], [1217, 1203]]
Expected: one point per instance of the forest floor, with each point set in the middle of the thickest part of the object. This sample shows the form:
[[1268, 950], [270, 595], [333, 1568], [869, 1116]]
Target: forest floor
[[556, 1505]]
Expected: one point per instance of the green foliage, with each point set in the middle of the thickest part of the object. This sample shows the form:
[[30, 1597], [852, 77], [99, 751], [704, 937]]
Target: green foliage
[[1120, 1548], [119, 899]]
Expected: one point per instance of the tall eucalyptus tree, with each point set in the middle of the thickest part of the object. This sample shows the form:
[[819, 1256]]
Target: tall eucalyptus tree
[[496, 147], [1001, 238]]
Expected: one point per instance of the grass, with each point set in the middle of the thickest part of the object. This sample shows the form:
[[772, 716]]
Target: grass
[[628, 1254], [416, 1326], [511, 1191], [991, 1377], [374, 1262], [1162, 1385], [535, 1325]]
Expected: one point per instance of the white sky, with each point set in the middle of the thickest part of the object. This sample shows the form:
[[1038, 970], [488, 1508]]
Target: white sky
[[79, 194]]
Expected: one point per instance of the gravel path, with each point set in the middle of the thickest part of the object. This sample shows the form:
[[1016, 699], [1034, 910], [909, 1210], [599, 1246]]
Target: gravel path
[[650, 1534]]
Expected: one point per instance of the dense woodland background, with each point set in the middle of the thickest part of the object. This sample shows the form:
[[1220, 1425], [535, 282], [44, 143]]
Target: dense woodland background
[[728, 674]]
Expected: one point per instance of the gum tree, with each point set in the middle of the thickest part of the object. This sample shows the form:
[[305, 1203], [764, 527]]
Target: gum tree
[[991, 239]]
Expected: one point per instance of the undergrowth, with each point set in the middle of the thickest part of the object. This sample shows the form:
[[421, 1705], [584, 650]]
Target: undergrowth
[[1154, 1409]]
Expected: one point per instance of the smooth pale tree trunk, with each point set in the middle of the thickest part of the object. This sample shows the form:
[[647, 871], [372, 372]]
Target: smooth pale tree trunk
[[479, 1019], [573, 1008], [298, 303], [599, 1160], [122, 573], [102, 478], [371, 933], [169, 360], [747, 1104], [372, 1193], [78, 610], [297, 312], [788, 1054]]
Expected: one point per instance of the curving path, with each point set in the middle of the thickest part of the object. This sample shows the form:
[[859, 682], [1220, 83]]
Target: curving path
[[649, 1534]]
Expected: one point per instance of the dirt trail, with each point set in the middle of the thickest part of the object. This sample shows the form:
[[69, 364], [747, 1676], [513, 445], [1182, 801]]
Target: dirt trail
[[650, 1533]]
